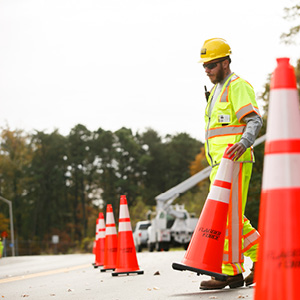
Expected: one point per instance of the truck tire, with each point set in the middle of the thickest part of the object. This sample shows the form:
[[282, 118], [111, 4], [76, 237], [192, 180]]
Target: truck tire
[[138, 248], [163, 246], [166, 247], [151, 247], [158, 246]]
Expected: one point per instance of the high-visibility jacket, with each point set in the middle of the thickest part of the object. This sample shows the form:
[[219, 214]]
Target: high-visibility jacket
[[225, 126]]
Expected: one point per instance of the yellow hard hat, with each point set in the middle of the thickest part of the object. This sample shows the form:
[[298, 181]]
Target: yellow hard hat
[[213, 49]]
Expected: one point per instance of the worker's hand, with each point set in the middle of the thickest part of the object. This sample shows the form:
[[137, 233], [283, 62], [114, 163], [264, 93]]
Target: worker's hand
[[236, 151]]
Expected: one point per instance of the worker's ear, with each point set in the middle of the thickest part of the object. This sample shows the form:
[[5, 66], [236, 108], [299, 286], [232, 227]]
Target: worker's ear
[[225, 63]]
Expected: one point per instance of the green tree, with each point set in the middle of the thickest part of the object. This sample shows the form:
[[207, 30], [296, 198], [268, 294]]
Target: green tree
[[47, 183], [15, 158], [291, 13], [181, 150], [103, 149], [154, 162], [128, 168], [80, 173]]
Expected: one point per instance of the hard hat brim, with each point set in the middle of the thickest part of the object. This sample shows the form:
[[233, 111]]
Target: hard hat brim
[[208, 59]]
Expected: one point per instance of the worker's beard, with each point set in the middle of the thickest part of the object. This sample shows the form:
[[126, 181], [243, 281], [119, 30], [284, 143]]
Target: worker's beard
[[219, 76]]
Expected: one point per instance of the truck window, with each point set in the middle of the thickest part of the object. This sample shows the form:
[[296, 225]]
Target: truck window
[[144, 226]]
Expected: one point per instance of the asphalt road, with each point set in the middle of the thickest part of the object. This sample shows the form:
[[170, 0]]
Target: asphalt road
[[74, 277]]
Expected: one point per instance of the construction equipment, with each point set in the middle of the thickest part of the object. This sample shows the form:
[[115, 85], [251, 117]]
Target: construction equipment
[[172, 225]]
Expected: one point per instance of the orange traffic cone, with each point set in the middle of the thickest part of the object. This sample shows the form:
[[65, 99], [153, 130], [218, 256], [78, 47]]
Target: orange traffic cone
[[111, 241], [277, 271], [100, 241], [205, 252], [95, 243], [126, 255]]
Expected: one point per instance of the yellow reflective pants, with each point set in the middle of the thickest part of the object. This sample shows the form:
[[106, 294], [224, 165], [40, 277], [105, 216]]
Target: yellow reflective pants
[[241, 238]]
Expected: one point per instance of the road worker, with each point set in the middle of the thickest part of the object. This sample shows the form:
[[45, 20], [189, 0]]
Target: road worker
[[231, 117]]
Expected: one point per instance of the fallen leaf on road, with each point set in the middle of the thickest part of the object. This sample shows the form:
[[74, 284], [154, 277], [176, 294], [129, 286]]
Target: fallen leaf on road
[[154, 288], [156, 273]]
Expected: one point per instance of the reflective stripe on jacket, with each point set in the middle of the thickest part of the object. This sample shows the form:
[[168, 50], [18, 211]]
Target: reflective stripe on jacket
[[225, 126]]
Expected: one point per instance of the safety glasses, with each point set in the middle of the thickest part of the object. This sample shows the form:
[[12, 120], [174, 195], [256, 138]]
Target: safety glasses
[[212, 65]]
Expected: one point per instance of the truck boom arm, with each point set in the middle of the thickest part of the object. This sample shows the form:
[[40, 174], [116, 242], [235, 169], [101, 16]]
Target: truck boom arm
[[165, 199]]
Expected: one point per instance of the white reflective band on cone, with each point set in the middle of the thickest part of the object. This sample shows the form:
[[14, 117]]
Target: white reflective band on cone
[[226, 173], [219, 194], [283, 109], [101, 234], [124, 226], [111, 230], [290, 177], [124, 211], [110, 218]]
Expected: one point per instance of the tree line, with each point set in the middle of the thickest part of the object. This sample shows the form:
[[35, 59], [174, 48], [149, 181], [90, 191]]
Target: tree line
[[58, 184]]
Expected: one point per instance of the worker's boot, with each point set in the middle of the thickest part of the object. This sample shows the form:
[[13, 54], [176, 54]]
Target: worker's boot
[[250, 278], [213, 284]]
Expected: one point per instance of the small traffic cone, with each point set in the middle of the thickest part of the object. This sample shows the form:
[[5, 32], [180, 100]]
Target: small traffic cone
[[100, 241], [111, 241], [126, 255], [205, 251], [277, 271], [95, 243]]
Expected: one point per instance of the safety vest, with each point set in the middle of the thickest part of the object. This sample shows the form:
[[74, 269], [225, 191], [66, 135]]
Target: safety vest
[[225, 126]]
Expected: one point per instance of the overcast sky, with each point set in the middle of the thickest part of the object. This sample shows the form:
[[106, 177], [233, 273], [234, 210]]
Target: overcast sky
[[131, 63]]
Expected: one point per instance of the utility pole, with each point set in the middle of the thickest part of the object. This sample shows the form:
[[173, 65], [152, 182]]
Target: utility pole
[[11, 224]]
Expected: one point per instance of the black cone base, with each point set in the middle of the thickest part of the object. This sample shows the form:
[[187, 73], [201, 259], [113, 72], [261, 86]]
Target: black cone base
[[139, 272], [97, 266], [182, 267], [104, 270]]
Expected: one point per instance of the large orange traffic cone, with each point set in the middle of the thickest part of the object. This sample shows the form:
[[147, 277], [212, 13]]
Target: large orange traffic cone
[[126, 255], [100, 241], [111, 241], [205, 252], [277, 271]]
